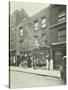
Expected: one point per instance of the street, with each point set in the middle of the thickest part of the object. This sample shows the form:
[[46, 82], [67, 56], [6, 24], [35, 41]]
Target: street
[[22, 79]]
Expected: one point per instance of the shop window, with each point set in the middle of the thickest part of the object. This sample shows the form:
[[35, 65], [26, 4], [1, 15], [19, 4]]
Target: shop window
[[14, 59], [58, 59]]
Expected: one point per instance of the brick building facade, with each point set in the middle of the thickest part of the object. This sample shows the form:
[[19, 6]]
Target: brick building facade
[[15, 19], [43, 34], [58, 33]]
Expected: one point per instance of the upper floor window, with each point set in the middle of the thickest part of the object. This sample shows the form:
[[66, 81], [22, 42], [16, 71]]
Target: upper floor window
[[37, 43], [36, 25], [61, 17], [43, 36], [21, 31], [43, 22], [61, 35]]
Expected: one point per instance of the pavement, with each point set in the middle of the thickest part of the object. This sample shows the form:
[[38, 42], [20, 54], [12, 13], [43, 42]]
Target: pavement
[[50, 73]]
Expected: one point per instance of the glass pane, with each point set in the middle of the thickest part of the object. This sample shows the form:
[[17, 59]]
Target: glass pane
[[62, 33], [62, 14], [36, 43], [21, 32], [61, 38], [43, 20], [36, 28], [43, 25], [36, 24], [61, 19]]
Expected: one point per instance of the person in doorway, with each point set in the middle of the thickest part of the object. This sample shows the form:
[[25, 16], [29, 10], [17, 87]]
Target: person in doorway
[[34, 63], [31, 62], [47, 63], [51, 64], [25, 60], [28, 61]]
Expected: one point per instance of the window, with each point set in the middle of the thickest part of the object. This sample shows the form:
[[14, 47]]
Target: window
[[21, 31], [36, 25], [43, 36], [37, 43], [44, 39], [61, 35], [43, 22], [61, 17]]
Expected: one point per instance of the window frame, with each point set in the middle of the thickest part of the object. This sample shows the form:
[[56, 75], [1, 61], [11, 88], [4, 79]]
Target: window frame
[[43, 21], [60, 36], [37, 43], [36, 25], [21, 31], [61, 17]]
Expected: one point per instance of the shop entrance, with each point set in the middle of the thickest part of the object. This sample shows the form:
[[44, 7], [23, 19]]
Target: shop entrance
[[58, 55]]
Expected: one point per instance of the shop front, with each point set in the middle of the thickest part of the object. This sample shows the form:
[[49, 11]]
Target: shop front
[[12, 58], [37, 58], [59, 51]]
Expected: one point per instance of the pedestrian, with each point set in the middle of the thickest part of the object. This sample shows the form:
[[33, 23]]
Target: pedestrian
[[51, 64], [28, 61], [34, 63], [47, 63]]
